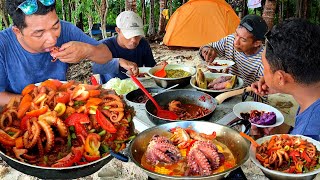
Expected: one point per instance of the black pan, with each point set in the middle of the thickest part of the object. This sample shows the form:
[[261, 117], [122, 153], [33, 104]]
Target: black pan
[[188, 96], [72, 172]]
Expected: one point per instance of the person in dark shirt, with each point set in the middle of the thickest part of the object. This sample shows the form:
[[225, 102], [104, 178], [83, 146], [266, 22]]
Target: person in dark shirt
[[128, 45]]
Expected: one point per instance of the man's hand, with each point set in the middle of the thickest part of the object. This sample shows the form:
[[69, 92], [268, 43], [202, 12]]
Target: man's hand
[[129, 66], [72, 52], [208, 54], [260, 87]]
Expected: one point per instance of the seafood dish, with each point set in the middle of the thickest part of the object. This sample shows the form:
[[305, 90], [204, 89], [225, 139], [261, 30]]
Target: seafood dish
[[289, 154], [54, 50], [67, 124], [260, 117], [186, 110], [185, 152]]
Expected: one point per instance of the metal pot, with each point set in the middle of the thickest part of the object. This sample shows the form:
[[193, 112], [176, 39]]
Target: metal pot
[[188, 96], [231, 138], [131, 96], [184, 96], [72, 172], [167, 82]]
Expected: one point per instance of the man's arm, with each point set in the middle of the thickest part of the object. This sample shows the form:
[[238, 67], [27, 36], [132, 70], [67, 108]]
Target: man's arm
[[6, 96]]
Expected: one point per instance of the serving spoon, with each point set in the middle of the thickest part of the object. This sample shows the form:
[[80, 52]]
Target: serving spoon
[[165, 114], [161, 73]]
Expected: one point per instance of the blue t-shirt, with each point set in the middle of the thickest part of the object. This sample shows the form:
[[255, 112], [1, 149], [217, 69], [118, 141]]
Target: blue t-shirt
[[19, 67], [142, 55], [308, 122]]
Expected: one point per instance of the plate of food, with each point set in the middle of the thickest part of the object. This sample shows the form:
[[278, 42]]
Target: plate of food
[[284, 156], [220, 64], [259, 114], [215, 82], [143, 73]]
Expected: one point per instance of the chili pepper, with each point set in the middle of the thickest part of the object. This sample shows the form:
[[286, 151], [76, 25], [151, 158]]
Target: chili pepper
[[28, 89], [92, 144], [105, 123], [103, 132], [38, 112]]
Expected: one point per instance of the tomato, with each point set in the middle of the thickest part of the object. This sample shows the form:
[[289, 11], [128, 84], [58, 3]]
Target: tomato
[[90, 158], [38, 112], [63, 97], [80, 130], [6, 140], [77, 118], [72, 158], [104, 122], [92, 144], [28, 89]]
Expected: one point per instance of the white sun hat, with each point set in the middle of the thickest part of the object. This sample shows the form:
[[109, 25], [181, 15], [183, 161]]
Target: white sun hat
[[130, 24]]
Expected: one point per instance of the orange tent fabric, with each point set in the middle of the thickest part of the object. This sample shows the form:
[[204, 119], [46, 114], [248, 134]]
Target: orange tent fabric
[[199, 22]]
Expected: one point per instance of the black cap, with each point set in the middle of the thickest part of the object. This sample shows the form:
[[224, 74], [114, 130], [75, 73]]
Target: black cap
[[255, 25]]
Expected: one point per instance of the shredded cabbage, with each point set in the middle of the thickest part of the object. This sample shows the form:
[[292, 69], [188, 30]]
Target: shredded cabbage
[[120, 86]]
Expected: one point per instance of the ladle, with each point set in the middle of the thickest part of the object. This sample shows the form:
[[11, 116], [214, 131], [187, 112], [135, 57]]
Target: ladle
[[165, 114], [161, 73]]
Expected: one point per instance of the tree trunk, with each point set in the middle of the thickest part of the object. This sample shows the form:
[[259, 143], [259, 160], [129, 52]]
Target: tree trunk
[[80, 22], [90, 24], [269, 12], [281, 4], [103, 12], [4, 14], [151, 29], [131, 5], [162, 19], [63, 11], [143, 12], [170, 7], [70, 10]]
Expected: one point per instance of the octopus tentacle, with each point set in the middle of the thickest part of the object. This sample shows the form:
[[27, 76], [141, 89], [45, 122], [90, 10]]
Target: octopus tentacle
[[52, 119], [32, 135], [204, 167], [49, 134], [116, 117], [6, 118], [40, 148]]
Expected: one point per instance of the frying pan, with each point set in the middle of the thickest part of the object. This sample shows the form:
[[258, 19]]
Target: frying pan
[[189, 96], [59, 173], [231, 138]]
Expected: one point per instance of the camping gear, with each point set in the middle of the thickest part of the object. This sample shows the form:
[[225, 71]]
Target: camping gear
[[199, 22]]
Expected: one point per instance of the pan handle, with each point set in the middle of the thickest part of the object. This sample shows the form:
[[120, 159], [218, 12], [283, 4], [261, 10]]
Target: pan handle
[[223, 96], [119, 156]]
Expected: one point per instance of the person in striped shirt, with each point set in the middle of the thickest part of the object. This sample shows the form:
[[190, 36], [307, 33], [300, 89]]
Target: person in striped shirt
[[244, 47]]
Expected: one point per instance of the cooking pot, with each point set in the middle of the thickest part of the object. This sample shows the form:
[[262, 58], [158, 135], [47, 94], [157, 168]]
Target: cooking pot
[[59, 173], [188, 96], [231, 138]]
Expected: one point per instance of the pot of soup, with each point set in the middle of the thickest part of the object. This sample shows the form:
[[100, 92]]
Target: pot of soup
[[175, 74], [189, 150]]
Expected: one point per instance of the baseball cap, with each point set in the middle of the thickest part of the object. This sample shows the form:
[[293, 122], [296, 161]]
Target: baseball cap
[[130, 24], [255, 25]]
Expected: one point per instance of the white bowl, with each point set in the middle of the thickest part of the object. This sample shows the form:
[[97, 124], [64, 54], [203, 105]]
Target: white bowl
[[246, 107], [209, 75], [227, 63], [273, 174]]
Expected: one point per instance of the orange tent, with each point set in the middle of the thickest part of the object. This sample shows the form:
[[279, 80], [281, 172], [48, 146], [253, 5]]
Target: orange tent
[[199, 22]]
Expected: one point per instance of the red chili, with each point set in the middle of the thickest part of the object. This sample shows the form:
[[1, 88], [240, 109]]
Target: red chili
[[23, 123], [104, 122]]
